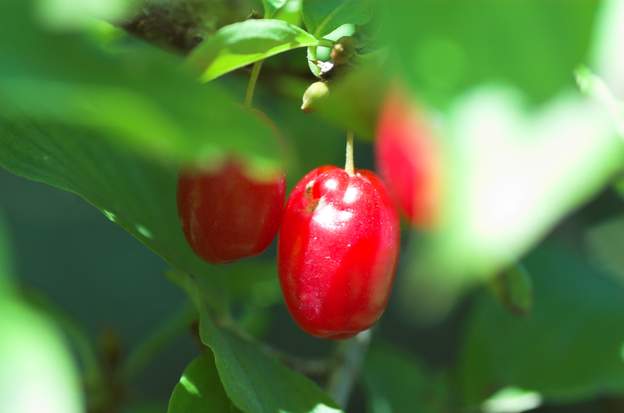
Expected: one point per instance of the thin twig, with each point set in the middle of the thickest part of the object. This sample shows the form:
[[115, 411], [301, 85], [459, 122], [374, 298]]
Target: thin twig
[[349, 356], [251, 86]]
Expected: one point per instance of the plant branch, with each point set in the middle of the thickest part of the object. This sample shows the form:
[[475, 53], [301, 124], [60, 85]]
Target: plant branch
[[349, 358]]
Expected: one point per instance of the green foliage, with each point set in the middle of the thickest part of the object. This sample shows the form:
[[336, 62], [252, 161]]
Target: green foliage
[[568, 348], [129, 99], [272, 6], [514, 290], [531, 44], [200, 390], [7, 268], [240, 44], [396, 382], [322, 17], [36, 371]]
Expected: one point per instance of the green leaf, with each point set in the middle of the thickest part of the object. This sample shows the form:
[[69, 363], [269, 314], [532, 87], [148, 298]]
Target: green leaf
[[607, 58], [443, 50], [115, 129], [199, 389], [272, 6], [569, 348], [240, 44], [604, 243], [255, 381], [7, 268], [396, 382], [514, 290], [70, 13], [324, 16], [37, 372], [505, 190]]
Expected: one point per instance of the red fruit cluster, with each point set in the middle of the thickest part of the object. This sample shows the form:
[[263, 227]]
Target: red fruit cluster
[[339, 234]]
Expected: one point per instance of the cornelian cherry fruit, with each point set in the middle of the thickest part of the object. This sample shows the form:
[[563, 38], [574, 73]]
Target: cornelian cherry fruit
[[226, 215], [408, 158], [337, 252]]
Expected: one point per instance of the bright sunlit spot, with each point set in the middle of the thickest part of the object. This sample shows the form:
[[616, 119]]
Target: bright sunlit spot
[[327, 216], [512, 400]]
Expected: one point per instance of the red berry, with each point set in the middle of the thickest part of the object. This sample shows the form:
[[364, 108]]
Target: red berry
[[226, 215], [338, 247], [408, 160]]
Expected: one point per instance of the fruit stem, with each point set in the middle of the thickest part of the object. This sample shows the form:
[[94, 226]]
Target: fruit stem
[[251, 86], [350, 356], [349, 164]]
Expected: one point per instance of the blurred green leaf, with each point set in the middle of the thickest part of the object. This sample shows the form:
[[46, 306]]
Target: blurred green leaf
[[512, 400], [396, 382], [7, 268], [37, 373], [272, 6], [290, 12], [514, 290], [607, 58], [114, 130], [568, 349], [254, 380], [240, 44], [445, 48], [324, 16], [140, 100], [511, 176], [199, 389], [604, 242], [71, 13]]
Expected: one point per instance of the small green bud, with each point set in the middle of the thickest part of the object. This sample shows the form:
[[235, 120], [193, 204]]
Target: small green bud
[[315, 92]]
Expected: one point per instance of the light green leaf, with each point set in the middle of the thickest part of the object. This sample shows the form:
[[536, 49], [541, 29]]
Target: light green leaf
[[515, 174], [568, 349], [70, 13], [199, 389], [240, 44], [324, 16], [607, 58], [37, 372], [272, 6]]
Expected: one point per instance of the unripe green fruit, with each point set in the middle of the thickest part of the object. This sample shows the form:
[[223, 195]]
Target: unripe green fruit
[[315, 92]]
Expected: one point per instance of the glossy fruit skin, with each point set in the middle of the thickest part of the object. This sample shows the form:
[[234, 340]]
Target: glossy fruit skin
[[337, 253], [408, 159], [226, 215]]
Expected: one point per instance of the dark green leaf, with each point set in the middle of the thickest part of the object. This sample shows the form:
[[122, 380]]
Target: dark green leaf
[[255, 381], [272, 6], [240, 44], [6, 256], [200, 390], [396, 382], [37, 372], [324, 16], [570, 347]]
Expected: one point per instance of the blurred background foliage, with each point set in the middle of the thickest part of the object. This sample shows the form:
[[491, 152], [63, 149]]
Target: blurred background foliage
[[96, 99]]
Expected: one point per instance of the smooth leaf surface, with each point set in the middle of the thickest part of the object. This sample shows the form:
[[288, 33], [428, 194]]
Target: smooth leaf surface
[[37, 373], [255, 381], [272, 6], [514, 290], [140, 100], [324, 16], [604, 242], [396, 382], [240, 44], [531, 44], [569, 348], [504, 192], [200, 390], [607, 58]]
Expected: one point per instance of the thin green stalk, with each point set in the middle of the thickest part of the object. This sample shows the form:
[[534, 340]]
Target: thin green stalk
[[251, 86], [349, 162]]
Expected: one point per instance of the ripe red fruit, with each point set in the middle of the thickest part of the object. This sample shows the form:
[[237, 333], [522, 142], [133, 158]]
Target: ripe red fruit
[[338, 247], [408, 159], [227, 215]]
